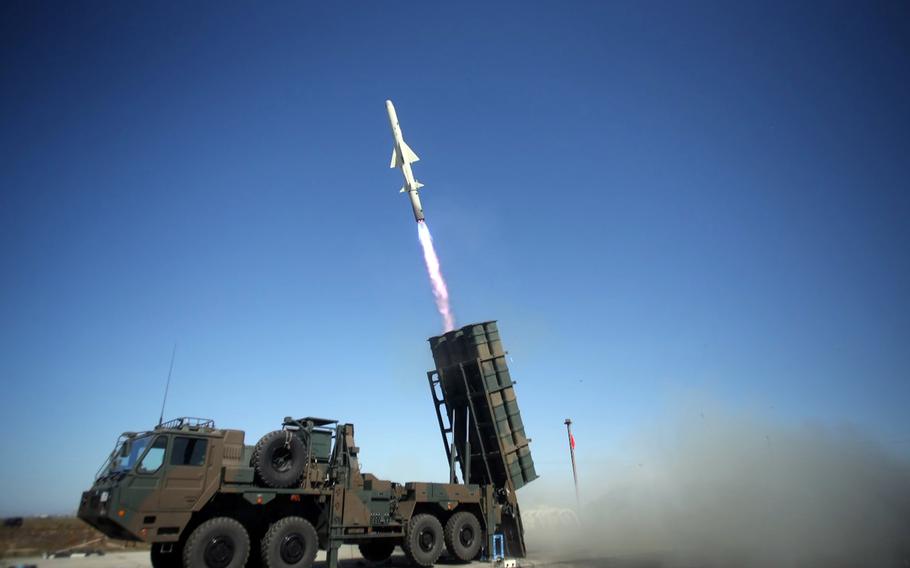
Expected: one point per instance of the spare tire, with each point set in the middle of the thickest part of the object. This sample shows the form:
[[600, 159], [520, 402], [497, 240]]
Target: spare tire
[[279, 459]]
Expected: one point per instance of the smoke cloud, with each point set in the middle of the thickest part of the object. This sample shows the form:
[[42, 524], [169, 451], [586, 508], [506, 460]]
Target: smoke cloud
[[440, 290], [719, 489]]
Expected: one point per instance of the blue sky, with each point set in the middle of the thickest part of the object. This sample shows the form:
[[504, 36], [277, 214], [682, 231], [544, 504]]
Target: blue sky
[[654, 199]]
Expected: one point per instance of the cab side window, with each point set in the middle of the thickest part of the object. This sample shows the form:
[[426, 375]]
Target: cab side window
[[188, 451], [154, 457]]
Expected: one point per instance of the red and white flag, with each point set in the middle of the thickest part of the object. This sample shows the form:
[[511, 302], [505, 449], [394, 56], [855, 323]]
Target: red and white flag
[[572, 441]]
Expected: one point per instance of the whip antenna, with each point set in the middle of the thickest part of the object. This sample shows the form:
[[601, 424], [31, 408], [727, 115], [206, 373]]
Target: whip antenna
[[168, 384]]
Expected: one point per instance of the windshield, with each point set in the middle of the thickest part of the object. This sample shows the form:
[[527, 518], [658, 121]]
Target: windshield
[[127, 454]]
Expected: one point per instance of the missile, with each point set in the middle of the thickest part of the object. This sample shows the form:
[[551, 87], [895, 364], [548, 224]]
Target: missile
[[403, 157]]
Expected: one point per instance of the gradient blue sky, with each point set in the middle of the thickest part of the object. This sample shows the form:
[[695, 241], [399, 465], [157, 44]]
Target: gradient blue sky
[[654, 198]]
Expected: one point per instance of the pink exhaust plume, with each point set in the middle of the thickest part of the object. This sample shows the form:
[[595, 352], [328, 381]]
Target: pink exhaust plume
[[440, 291]]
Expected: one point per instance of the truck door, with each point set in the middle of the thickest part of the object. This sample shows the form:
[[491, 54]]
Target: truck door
[[184, 477], [140, 490]]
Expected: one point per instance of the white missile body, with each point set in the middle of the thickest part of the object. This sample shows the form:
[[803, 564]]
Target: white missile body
[[403, 157]]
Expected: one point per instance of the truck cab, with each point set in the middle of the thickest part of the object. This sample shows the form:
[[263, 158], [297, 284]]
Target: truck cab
[[153, 481]]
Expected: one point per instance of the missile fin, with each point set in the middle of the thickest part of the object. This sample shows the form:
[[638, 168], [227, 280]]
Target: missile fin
[[396, 159], [408, 154], [417, 185]]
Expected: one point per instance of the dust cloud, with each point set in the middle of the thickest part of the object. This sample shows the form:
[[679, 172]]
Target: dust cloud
[[714, 488]]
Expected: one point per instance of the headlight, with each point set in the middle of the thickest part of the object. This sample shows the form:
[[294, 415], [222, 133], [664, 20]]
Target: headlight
[[104, 496]]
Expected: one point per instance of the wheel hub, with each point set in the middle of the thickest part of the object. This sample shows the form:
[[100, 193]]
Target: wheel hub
[[219, 552], [292, 548], [281, 459], [427, 540], [466, 536]]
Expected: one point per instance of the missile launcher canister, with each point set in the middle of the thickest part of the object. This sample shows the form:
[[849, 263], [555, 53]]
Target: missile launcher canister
[[479, 418]]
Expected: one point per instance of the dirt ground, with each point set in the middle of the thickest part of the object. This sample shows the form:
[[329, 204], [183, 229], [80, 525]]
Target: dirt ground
[[38, 536], [27, 545], [350, 558]]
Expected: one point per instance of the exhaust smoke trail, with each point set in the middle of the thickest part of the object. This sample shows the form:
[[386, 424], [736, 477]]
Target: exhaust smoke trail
[[440, 290]]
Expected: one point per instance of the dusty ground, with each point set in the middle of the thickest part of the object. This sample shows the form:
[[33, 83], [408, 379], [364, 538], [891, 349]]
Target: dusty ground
[[26, 545], [38, 536], [350, 558]]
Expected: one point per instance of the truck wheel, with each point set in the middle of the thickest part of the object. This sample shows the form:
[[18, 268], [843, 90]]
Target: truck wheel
[[463, 536], [290, 543], [172, 559], [377, 550], [221, 542], [423, 541], [279, 459]]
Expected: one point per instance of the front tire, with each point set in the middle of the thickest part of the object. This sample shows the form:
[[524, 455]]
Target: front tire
[[463, 536], [423, 542], [221, 542], [376, 551], [290, 543]]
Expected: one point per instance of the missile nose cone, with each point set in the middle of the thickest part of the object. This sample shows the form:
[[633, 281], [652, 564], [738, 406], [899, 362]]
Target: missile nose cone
[[390, 109]]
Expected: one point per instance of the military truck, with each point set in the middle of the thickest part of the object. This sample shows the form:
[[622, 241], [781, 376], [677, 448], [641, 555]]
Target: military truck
[[202, 498]]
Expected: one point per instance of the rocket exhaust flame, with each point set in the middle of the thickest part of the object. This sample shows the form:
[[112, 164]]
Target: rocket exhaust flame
[[440, 290]]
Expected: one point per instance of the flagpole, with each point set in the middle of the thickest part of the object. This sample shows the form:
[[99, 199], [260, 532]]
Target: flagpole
[[568, 424]]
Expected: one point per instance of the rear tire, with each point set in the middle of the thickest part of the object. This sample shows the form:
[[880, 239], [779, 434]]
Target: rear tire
[[279, 459], [423, 541], [377, 550], [290, 543], [463, 536], [221, 542], [171, 559]]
